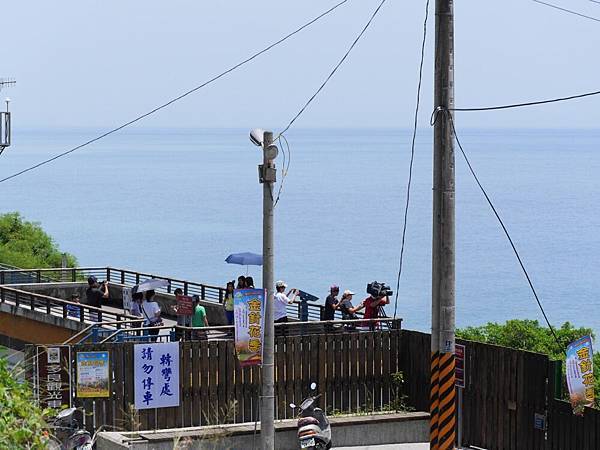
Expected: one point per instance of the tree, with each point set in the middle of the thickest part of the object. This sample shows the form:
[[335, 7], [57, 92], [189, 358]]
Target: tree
[[26, 245], [530, 335], [22, 423]]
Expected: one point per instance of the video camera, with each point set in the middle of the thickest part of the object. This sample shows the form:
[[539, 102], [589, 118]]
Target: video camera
[[376, 289]]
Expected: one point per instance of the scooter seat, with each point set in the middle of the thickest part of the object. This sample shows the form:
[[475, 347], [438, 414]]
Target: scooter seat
[[307, 421]]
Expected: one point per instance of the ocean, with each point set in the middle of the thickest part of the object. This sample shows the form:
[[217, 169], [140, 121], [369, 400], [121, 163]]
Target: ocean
[[177, 202]]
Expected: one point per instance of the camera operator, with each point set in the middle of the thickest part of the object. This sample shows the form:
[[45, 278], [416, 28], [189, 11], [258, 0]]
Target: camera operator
[[378, 297], [94, 295]]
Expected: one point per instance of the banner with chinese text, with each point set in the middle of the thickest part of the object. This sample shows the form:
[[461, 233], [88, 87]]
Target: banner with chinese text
[[92, 374], [249, 319], [156, 375], [53, 384], [580, 374]]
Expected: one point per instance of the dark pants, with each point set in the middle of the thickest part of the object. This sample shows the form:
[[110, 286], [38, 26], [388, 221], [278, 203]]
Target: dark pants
[[153, 332], [281, 331]]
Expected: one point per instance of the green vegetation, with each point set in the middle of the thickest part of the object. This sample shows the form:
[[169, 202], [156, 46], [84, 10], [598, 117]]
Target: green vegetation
[[22, 423], [26, 245], [530, 335]]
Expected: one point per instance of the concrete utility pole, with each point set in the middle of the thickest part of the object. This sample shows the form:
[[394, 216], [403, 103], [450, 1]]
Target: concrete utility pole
[[267, 176], [443, 391]]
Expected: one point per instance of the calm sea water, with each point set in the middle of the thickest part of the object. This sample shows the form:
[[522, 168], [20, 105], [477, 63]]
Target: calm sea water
[[177, 202]]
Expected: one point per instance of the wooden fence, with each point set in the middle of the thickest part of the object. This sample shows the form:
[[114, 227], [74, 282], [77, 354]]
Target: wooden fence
[[352, 371], [506, 390], [569, 432]]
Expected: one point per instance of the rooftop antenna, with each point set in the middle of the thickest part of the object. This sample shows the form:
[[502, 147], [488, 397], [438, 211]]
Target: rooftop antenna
[[5, 116]]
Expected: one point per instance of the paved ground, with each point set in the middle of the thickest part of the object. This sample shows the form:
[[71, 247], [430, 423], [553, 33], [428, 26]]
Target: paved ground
[[424, 446]]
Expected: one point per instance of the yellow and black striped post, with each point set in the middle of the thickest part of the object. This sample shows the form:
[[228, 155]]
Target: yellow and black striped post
[[446, 426], [434, 401]]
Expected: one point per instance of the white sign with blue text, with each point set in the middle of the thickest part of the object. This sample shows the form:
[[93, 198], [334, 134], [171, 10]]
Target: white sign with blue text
[[156, 375]]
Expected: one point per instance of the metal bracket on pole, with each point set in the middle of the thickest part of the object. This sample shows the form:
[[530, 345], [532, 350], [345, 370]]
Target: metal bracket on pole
[[267, 174]]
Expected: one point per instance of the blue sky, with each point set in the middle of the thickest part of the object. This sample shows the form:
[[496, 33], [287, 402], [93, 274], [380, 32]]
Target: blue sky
[[100, 63]]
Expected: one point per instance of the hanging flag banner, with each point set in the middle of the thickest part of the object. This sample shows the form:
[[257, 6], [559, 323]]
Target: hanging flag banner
[[580, 374], [156, 375], [93, 374], [249, 320], [53, 384]]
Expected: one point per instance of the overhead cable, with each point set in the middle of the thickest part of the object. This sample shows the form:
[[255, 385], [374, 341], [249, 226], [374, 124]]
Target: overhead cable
[[532, 103], [185, 94], [412, 155], [568, 10], [508, 236], [337, 66]]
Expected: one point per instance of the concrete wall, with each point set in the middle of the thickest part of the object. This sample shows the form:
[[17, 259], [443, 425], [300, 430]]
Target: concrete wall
[[35, 327], [346, 431], [214, 311]]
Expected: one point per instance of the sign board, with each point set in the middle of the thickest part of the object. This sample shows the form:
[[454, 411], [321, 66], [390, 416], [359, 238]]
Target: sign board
[[249, 320], [53, 386], [539, 421], [459, 353], [185, 305], [127, 299], [156, 375], [580, 374], [93, 374]]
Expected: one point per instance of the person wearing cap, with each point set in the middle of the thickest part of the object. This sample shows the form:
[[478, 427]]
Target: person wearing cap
[[94, 295], [281, 302], [331, 305], [345, 306]]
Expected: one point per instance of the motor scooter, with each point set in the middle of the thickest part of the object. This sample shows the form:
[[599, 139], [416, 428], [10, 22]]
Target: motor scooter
[[67, 434], [314, 431]]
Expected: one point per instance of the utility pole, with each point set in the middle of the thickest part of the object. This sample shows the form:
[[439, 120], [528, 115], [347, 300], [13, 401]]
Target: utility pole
[[443, 391], [267, 176], [5, 131]]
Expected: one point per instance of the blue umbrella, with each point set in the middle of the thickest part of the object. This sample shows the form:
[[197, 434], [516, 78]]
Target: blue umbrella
[[245, 259]]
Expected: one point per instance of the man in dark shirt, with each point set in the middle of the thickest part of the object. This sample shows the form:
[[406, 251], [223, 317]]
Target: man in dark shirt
[[94, 295], [331, 304]]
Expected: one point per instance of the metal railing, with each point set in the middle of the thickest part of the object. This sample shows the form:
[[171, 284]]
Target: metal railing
[[299, 310], [226, 332], [58, 307]]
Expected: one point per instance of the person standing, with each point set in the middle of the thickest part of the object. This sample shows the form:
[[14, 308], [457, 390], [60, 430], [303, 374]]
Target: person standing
[[371, 306], [136, 303], [331, 303], [228, 302], [94, 294], [199, 319], [151, 313], [281, 302], [241, 284], [347, 309], [249, 283]]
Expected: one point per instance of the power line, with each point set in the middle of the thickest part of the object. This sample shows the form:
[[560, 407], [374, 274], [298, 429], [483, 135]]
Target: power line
[[512, 244], [412, 155], [284, 168], [341, 61], [568, 10], [185, 94], [522, 105]]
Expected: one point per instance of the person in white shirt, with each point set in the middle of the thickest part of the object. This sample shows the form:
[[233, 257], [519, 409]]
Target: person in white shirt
[[151, 314], [281, 302]]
